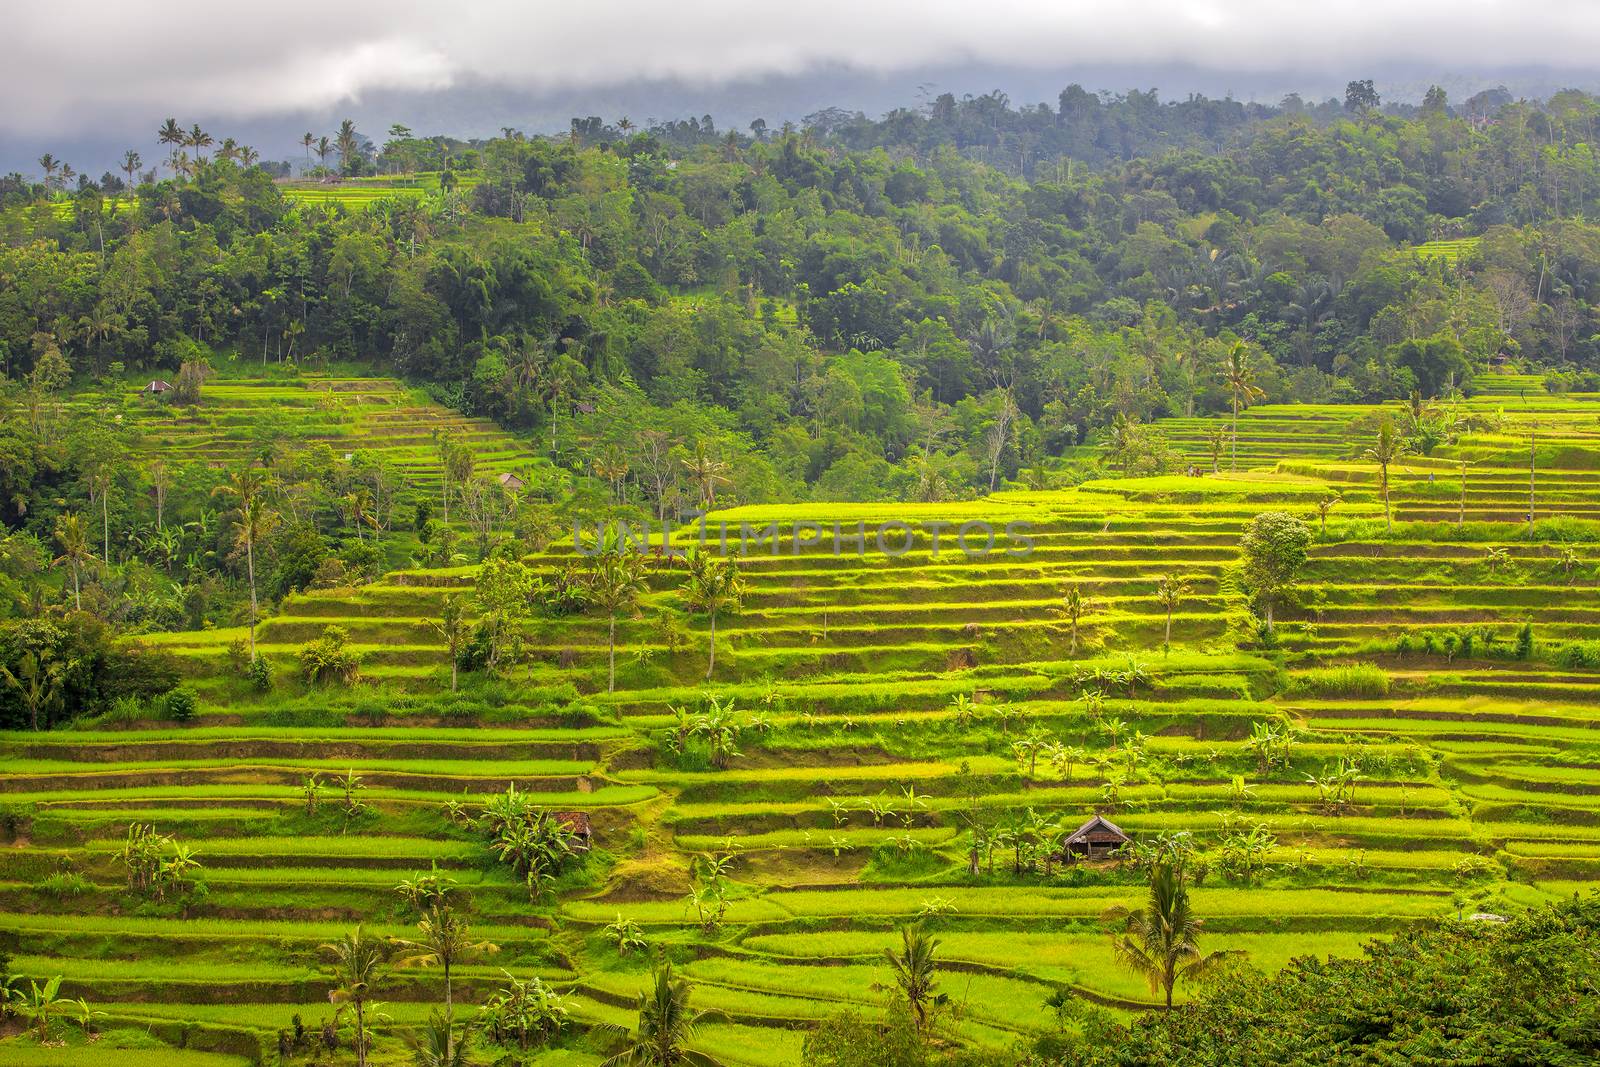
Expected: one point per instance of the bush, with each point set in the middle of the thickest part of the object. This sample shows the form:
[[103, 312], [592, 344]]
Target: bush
[[1525, 641], [1349, 680], [260, 674], [181, 704], [328, 660], [1581, 655]]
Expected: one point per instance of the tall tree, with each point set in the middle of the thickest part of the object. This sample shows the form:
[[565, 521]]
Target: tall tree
[[1161, 942], [1170, 589], [1385, 451], [443, 940], [713, 585], [74, 542], [130, 166], [1275, 545], [254, 521], [616, 581], [357, 961], [1240, 379]]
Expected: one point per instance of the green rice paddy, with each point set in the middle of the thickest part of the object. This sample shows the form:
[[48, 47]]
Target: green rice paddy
[[891, 691]]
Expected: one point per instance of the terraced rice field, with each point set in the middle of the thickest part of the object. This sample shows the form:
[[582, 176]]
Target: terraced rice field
[[1450, 250], [884, 694], [357, 193]]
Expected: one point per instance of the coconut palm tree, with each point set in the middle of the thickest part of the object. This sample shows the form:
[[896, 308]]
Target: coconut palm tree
[[444, 940], [1387, 449], [324, 148], [1170, 589], [50, 165], [199, 140], [707, 472], [130, 166], [1240, 380], [357, 962], [74, 541], [616, 582], [713, 585], [247, 486], [913, 969], [1161, 942], [666, 1026], [172, 135], [308, 139], [347, 143]]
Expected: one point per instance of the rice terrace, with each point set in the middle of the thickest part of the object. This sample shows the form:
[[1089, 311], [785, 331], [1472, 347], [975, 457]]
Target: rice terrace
[[844, 595]]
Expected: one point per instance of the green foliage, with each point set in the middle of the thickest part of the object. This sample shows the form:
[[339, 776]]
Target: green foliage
[[181, 704], [1522, 991], [328, 660]]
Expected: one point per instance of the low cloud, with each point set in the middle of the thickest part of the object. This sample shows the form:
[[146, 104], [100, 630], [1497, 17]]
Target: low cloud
[[75, 68]]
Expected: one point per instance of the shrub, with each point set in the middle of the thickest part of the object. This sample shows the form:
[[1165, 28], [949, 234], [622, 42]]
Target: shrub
[[1525, 641], [181, 704], [328, 660], [64, 884], [260, 674], [1579, 654], [1349, 680]]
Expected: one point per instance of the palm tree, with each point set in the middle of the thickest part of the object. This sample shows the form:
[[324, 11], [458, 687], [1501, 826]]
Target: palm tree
[[324, 149], [616, 582], [247, 486], [172, 134], [307, 140], [1162, 941], [1170, 589], [444, 941], [347, 144], [130, 166], [666, 1026], [357, 962], [199, 140], [1386, 450], [707, 472], [49, 164], [1240, 380], [74, 542], [712, 586], [913, 968]]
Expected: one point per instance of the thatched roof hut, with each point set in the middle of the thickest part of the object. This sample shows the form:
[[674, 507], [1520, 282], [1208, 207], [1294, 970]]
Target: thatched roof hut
[[1095, 839]]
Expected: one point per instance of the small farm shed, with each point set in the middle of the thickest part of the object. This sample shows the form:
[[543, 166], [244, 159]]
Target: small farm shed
[[510, 481], [158, 386], [1095, 839], [578, 824]]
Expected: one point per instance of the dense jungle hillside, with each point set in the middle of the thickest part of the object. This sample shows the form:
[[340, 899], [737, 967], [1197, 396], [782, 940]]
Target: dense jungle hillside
[[337, 726]]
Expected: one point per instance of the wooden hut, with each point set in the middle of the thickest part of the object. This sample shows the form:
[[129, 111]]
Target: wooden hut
[[157, 386], [582, 830], [1094, 840], [510, 482]]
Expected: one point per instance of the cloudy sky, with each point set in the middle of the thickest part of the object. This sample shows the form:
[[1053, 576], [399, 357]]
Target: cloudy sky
[[90, 69]]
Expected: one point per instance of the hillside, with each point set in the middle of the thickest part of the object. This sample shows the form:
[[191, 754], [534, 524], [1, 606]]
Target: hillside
[[1389, 755]]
